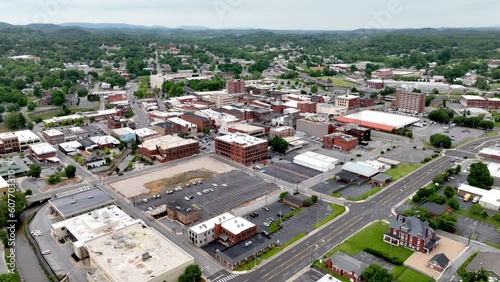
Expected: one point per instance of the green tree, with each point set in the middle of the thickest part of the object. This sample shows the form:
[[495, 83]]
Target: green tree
[[15, 121], [453, 203], [283, 194], [82, 92], [278, 144], [314, 89], [192, 273], [30, 125], [476, 209], [31, 106], [28, 192], [446, 221], [34, 171], [440, 141], [449, 191], [20, 202], [37, 91], [206, 130], [70, 171], [53, 179], [375, 273], [314, 198], [478, 276], [57, 97], [479, 176]]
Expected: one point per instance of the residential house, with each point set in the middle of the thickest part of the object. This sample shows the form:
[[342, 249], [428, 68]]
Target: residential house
[[412, 233], [439, 262], [347, 266], [294, 200]]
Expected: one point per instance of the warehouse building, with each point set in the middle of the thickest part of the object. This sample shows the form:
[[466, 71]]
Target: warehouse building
[[79, 203], [379, 120], [316, 161]]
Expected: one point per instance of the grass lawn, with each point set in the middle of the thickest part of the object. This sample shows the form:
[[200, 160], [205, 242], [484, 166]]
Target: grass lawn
[[336, 211], [339, 81], [51, 114], [365, 195], [401, 170], [251, 263], [336, 195], [494, 86], [405, 274], [372, 237], [489, 134]]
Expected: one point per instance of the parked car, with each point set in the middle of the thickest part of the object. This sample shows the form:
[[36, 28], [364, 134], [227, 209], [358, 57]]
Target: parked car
[[265, 208], [199, 193], [187, 198], [46, 252], [475, 200]]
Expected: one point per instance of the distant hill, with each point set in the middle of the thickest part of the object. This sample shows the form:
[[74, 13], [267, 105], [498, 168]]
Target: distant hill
[[111, 26]]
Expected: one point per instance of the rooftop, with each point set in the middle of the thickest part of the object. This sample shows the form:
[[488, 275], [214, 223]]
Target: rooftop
[[241, 139], [360, 169], [96, 223], [490, 261], [473, 97], [25, 136], [245, 249], [166, 142], [237, 225], [211, 114], [53, 132], [106, 139], [166, 114], [137, 253], [145, 132], [246, 127], [348, 263], [347, 96], [182, 122], [376, 118], [210, 224], [70, 146], [3, 183], [123, 131], [42, 148], [81, 202]]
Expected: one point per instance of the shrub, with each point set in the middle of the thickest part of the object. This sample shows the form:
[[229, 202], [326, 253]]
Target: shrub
[[496, 217], [308, 202], [393, 260]]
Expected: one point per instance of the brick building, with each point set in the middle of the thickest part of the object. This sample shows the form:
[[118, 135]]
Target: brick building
[[53, 136], [201, 122], [235, 86], [182, 212], [360, 132], [168, 148], [340, 141], [347, 266], [409, 102], [282, 131], [439, 262], [166, 128], [306, 107], [375, 83], [241, 148], [366, 102], [412, 233], [43, 152], [9, 142], [350, 102], [471, 101]]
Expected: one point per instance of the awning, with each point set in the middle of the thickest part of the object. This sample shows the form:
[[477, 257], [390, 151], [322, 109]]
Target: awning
[[223, 237], [53, 159]]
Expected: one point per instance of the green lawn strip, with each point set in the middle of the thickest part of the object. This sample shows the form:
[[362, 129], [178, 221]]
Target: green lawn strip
[[336, 211], [488, 220], [275, 225], [401, 170], [336, 195], [251, 263], [494, 245], [365, 195], [461, 270], [411, 275]]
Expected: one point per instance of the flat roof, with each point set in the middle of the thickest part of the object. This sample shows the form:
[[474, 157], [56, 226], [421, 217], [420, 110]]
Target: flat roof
[[473, 97], [70, 146], [378, 120], [182, 122], [241, 139], [53, 132], [494, 169], [26, 136], [42, 148], [473, 190], [244, 249], [210, 224], [166, 114], [144, 132], [237, 225], [208, 113], [123, 131], [493, 151], [3, 183], [166, 142], [246, 127], [96, 223], [490, 261], [348, 97], [360, 169], [137, 253], [106, 139], [81, 202]]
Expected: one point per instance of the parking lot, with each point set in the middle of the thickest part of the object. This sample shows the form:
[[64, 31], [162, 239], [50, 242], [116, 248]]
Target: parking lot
[[345, 190], [457, 134], [311, 275], [288, 171], [371, 259], [94, 130], [216, 195]]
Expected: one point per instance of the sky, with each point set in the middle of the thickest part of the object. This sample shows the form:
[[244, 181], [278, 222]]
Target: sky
[[266, 14]]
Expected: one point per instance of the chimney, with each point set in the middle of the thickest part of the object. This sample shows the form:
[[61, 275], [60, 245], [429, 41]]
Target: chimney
[[426, 232], [403, 219]]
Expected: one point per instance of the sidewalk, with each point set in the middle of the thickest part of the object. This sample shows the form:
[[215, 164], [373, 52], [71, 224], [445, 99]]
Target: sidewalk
[[3, 264]]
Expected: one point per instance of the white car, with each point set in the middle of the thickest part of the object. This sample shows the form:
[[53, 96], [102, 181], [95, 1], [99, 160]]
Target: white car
[[199, 193], [213, 184], [186, 198], [46, 252], [225, 185]]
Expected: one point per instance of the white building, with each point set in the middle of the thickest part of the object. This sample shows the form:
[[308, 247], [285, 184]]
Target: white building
[[221, 120], [91, 225], [146, 133], [330, 109], [105, 141], [316, 161], [135, 253], [489, 199], [204, 233]]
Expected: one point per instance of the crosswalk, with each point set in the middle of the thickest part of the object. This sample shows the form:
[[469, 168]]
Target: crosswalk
[[227, 278]]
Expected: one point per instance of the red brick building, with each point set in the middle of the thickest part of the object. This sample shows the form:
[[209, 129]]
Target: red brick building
[[439, 262], [340, 141], [9, 143], [201, 122], [409, 102], [235, 230], [117, 97], [306, 107], [412, 233], [235, 86], [53, 136], [351, 102], [471, 101], [382, 74], [347, 266], [367, 102], [241, 148], [182, 212], [362, 133], [168, 148], [42, 151], [375, 83]]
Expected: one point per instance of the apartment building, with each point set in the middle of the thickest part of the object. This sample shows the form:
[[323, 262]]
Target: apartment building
[[410, 102], [348, 101], [241, 148], [235, 86]]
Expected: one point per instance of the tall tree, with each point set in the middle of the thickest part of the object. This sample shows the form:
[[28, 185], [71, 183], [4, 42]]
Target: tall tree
[[375, 273], [34, 171], [479, 176]]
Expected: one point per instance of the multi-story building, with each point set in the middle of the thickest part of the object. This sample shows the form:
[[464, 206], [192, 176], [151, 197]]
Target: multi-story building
[[367, 102], [360, 132], [9, 143], [221, 99], [225, 227], [340, 141], [318, 128], [124, 134], [166, 127], [382, 74], [105, 141], [412, 233], [146, 133], [471, 101], [185, 126], [235, 86], [43, 152], [306, 107], [53, 136], [375, 83], [282, 131], [252, 130], [350, 102], [200, 121], [241, 148], [182, 212], [409, 102], [220, 120], [168, 148]]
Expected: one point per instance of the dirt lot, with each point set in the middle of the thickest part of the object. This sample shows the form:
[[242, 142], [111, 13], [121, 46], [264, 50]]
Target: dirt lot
[[136, 186], [71, 181], [447, 246], [158, 186]]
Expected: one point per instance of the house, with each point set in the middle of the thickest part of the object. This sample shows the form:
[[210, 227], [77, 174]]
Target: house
[[346, 176], [347, 266], [435, 209], [293, 200], [95, 162], [412, 233], [380, 179], [439, 262]]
